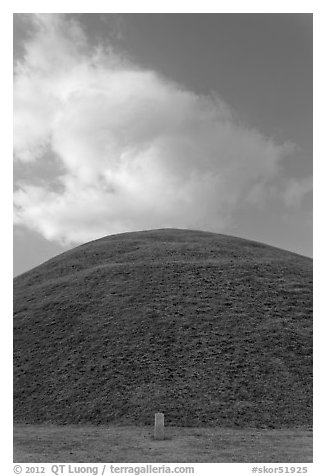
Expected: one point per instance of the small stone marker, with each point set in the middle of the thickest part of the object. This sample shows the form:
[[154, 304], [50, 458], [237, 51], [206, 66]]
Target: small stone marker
[[159, 426]]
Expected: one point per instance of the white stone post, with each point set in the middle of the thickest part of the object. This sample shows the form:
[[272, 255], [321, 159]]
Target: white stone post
[[159, 426]]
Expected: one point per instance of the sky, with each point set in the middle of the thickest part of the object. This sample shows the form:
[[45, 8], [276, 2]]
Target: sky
[[124, 122]]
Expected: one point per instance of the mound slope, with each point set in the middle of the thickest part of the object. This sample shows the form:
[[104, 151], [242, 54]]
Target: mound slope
[[207, 328]]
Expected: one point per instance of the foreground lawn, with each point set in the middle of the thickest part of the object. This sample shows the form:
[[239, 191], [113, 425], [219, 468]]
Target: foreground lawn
[[116, 444]]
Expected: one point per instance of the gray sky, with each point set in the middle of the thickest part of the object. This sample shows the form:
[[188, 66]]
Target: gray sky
[[138, 121]]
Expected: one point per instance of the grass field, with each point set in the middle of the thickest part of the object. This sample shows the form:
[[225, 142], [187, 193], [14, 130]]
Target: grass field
[[122, 444]]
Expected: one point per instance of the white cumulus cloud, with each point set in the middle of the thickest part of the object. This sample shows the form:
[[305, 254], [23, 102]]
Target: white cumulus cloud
[[135, 149]]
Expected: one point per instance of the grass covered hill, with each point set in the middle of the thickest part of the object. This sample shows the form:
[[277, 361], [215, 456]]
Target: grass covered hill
[[209, 329]]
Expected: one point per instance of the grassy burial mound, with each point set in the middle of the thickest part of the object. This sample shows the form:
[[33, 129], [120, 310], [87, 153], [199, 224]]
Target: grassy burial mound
[[207, 328]]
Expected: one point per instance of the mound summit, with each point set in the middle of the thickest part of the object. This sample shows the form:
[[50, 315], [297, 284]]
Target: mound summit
[[209, 329]]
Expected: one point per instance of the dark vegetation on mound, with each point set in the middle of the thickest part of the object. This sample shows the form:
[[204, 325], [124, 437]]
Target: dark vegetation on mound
[[209, 329]]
